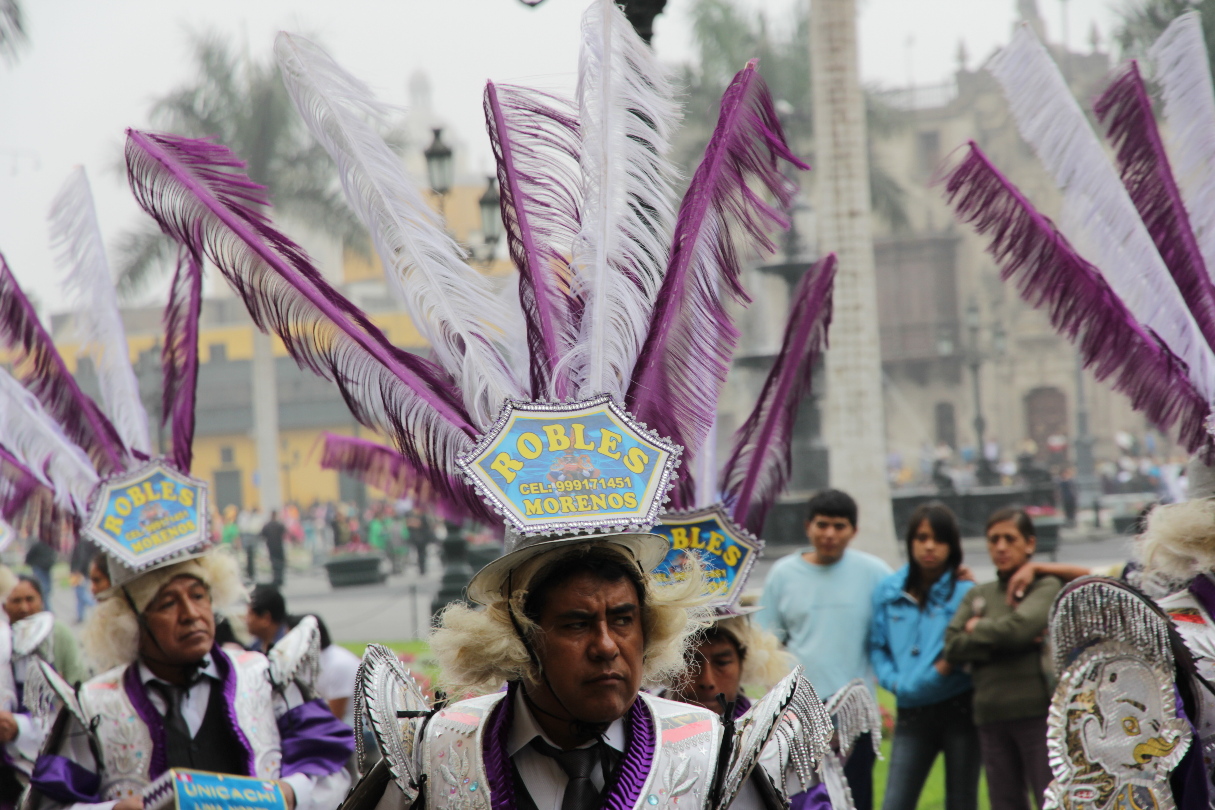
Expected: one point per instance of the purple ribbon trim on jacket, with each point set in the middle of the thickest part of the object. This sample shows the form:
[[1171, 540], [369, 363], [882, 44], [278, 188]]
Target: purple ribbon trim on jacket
[[741, 704], [1204, 591], [151, 718], [816, 798], [64, 781], [623, 790], [314, 741]]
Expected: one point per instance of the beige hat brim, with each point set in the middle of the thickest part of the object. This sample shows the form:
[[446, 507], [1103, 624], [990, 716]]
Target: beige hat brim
[[647, 549]]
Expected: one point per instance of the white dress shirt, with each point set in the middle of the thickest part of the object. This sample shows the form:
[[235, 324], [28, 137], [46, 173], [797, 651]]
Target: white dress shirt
[[541, 775]]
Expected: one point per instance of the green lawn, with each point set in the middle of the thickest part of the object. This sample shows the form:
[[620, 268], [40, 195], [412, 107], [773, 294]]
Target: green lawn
[[933, 797]]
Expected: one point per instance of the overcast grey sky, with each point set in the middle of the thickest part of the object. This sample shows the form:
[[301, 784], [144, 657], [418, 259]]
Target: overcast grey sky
[[92, 67]]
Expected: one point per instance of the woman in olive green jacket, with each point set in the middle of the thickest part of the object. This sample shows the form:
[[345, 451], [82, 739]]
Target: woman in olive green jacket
[[1002, 644]]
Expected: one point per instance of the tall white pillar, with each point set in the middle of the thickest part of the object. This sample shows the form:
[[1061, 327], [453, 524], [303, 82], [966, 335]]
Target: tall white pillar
[[265, 423]]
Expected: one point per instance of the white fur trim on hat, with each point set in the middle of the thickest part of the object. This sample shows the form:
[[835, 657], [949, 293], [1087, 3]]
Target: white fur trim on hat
[[111, 635]]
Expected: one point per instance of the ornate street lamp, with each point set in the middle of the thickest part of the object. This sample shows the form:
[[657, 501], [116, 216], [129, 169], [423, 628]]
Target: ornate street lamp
[[983, 469], [439, 164], [491, 216]]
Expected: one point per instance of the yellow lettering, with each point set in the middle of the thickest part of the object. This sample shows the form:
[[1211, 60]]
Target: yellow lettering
[[533, 507], [136, 495], [607, 443], [504, 465], [696, 541], [599, 502], [150, 493], [122, 506], [167, 490], [567, 504], [186, 496], [715, 543], [630, 500], [529, 445], [551, 507], [584, 503], [615, 501], [557, 440], [636, 460], [679, 535], [112, 524], [732, 555], [580, 442]]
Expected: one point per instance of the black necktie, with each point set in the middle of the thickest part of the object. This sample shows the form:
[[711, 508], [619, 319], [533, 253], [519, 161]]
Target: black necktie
[[172, 696], [580, 791]]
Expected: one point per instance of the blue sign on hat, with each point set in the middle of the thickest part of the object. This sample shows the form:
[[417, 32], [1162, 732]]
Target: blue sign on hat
[[727, 552], [147, 515], [553, 467]]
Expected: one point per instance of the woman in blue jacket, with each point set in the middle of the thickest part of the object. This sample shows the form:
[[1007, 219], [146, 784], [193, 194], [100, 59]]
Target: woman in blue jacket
[[911, 609]]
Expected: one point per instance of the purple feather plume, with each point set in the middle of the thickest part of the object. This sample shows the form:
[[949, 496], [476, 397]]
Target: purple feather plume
[[179, 357], [1051, 275], [38, 365], [759, 465], [1126, 111], [683, 364], [197, 192], [17, 484], [384, 468], [28, 505], [535, 140]]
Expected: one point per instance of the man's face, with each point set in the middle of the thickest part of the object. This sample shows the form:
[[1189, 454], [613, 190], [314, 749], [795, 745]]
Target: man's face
[[830, 536], [258, 623], [180, 618], [98, 581], [718, 670], [22, 601], [590, 646], [1009, 549]]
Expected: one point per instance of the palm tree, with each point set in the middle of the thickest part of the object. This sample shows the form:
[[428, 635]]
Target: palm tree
[[726, 36], [1143, 21], [243, 104], [854, 411]]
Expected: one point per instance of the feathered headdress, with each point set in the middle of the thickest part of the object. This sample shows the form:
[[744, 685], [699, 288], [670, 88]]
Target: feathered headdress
[[622, 292], [67, 462], [1125, 275]]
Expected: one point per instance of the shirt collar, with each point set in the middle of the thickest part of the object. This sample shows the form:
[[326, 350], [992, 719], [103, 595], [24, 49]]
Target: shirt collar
[[524, 729], [146, 675]]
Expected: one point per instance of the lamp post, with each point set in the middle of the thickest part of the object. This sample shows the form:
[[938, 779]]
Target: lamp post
[[440, 168], [151, 387], [983, 470], [491, 218]]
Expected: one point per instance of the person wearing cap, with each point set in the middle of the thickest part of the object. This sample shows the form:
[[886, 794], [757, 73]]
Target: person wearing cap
[[173, 699]]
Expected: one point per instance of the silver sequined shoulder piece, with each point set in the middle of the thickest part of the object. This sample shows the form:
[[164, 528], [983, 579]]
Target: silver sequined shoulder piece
[[384, 690], [31, 632], [789, 714], [1113, 734], [1096, 609], [855, 711], [47, 693], [296, 658]]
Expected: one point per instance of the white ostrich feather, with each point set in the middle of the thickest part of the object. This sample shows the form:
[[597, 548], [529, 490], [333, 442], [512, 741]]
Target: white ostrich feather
[[1098, 217], [81, 254], [627, 114], [453, 305], [38, 442], [1180, 65]]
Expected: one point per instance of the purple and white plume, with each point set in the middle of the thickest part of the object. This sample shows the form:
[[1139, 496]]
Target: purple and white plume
[[179, 356], [196, 191], [38, 364], [452, 304], [535, 138], [1083, 307], [81, 253], [723, 219], [627, 115], [760, 462]]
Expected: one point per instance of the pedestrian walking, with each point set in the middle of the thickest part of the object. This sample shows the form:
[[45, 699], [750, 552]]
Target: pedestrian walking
[[250, 522], [273, 533], [82, 557]]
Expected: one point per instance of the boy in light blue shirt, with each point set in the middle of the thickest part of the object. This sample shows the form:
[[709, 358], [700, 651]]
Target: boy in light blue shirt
[[819, 603]]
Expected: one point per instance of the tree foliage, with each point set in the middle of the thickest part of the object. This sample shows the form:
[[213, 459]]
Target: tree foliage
[[242, 103], [1143, 21], [726, 35]]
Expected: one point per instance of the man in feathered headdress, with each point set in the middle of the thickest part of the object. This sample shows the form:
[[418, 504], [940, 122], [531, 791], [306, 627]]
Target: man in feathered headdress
[[172, 699]]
